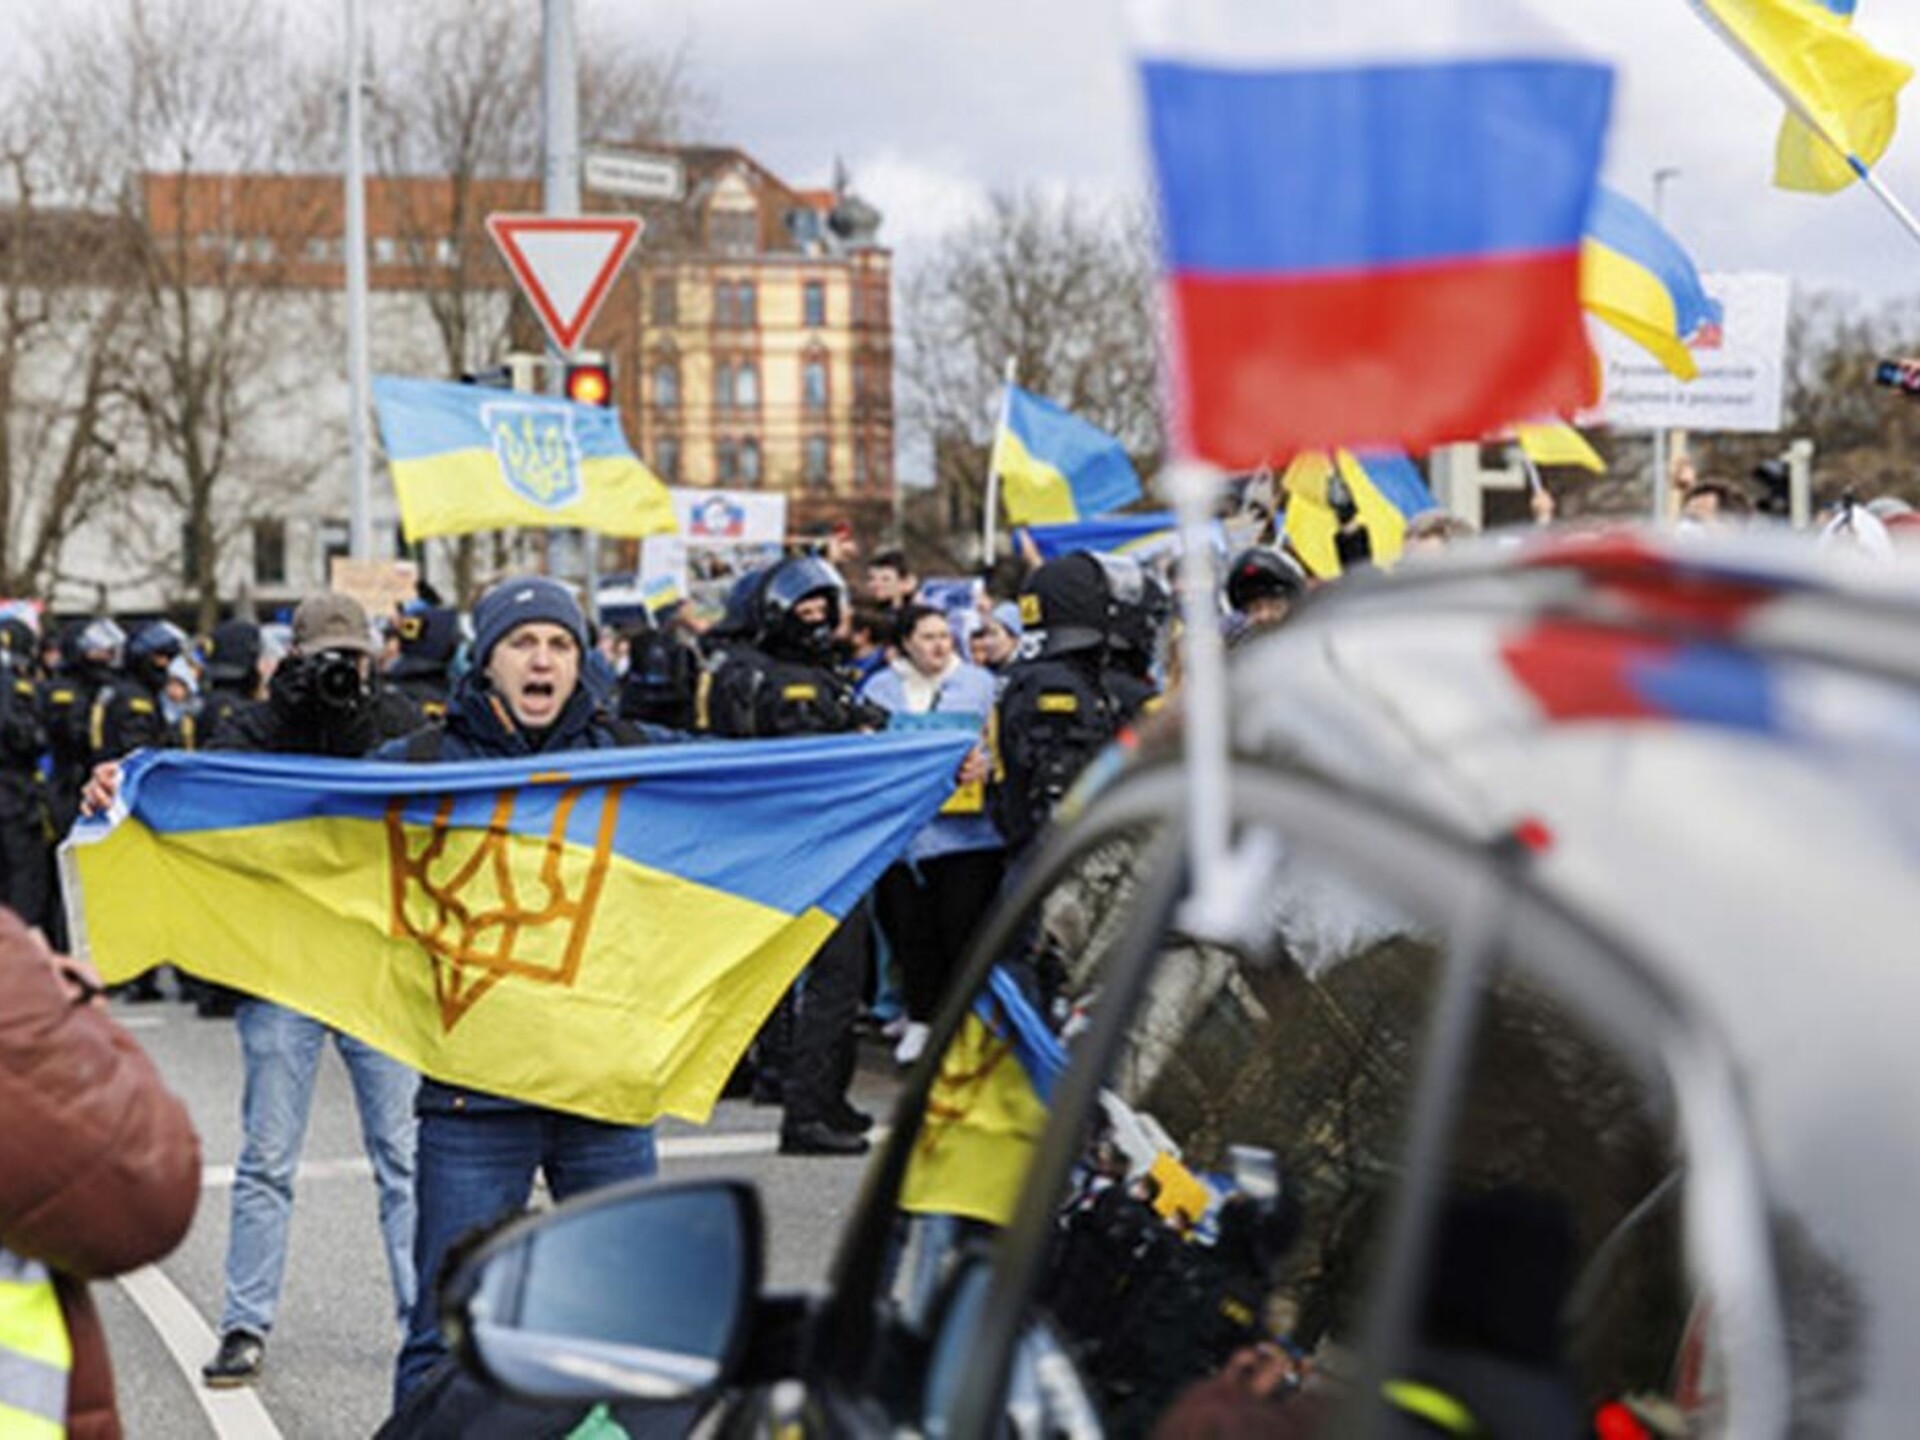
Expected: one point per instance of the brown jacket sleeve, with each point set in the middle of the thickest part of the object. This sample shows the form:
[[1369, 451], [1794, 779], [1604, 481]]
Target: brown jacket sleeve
[[99, 1162]]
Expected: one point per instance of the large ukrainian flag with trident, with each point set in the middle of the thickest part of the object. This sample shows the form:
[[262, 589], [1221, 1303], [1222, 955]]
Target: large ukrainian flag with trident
[[466, 458], [600, 932]]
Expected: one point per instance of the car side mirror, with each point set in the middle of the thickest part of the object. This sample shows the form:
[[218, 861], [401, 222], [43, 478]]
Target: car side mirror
[[641, 1291]]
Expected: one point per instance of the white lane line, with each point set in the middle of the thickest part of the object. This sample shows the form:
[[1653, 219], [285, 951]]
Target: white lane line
[[141, 1022], [234, 1414], [674, 1147]]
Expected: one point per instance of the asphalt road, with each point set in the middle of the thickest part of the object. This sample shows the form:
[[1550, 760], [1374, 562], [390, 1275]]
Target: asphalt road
[[329, 1359]]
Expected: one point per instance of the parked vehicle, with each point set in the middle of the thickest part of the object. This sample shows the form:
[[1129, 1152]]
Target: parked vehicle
[[1544, 1073]]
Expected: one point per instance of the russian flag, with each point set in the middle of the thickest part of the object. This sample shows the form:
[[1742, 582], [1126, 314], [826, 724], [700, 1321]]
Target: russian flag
[[1371, 216]]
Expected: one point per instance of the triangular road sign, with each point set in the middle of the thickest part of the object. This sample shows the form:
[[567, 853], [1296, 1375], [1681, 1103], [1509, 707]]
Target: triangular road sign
[[565, 264]]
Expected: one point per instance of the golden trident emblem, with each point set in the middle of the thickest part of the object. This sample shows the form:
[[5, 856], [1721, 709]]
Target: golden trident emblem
[[486, 904]]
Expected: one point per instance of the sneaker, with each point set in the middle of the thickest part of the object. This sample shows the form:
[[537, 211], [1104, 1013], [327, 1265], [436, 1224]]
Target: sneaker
[[241, 1354], [817, 1137], [895, 1027], [913, 1044]]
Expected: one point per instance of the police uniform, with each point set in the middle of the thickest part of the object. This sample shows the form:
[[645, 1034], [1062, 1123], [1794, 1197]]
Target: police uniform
[[26, 830]]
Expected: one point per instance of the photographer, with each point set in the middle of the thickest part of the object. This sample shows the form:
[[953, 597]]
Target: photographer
[[322, 701]]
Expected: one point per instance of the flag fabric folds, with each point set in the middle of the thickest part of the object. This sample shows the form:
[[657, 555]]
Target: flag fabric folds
[[1635, 277], [987, 1109], [1371, 219], [1558, 444], [1109, 535], [1056, 468], [1841, 94], [1386, 486], [600, 932], [466, 458]]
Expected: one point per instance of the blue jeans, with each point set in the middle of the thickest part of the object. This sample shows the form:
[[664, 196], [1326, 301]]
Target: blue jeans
[[476, 1166], [282, 1052]]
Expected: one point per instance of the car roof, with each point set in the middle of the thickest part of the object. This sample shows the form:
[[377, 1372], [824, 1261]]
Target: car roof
[[1714, 749]]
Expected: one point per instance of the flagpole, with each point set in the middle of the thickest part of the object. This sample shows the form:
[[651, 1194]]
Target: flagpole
[[988, 538], [1194, 488], [1874, 183]]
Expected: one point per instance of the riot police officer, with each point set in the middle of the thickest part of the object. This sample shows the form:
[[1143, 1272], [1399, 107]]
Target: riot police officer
[[1262, 585], [1142, 608], [662, 680], [233, 679], [783, 684], [26, 856], [127, 714], [90, 652], [1056, 712], [429, 638]]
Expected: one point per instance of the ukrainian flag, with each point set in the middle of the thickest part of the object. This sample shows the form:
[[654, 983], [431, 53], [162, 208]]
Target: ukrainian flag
[[1842, 95], [1386, 486], [1635, 277], [1558, 444], [466, 458], [987, 1109], [1055, 468], [600, 932], [1108, 535]]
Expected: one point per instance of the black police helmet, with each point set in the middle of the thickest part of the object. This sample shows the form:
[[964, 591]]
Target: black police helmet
[[1141, 606], [741, 619], [1071, 602], [18, 641], [796, 579], [1263, 574], [233, 652]]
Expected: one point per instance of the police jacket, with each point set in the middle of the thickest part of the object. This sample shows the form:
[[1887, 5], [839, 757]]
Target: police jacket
[[126, 715], [1055, 715], [22, 737], [99, 1163], [756, 695], [479, 726]]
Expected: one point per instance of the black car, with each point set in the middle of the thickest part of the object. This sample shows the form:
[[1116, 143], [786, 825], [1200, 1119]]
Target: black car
[[1535, 1071]]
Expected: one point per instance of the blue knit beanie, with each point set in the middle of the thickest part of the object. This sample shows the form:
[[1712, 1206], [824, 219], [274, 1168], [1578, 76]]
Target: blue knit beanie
[[528, 600]]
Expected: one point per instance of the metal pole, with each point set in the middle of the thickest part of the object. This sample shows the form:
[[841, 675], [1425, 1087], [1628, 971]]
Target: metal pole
[[1195, 488], [988, 539], [1662, 482], [560, 195], [1887, 198], [359, 384]]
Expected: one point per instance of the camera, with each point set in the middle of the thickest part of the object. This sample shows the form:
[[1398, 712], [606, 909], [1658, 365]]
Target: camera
[[336, 681]]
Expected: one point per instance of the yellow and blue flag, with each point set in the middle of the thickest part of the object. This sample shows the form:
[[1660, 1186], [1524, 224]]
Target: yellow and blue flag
[[1842, 95], [1385, 485], [1055, 468], [1139, 535], [1558, 444], [599, 932], [1635, 277], [466, 458], [986, 1110]]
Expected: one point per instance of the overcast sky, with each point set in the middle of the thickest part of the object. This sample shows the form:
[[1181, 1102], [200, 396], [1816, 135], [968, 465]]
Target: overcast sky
[[933, 104]]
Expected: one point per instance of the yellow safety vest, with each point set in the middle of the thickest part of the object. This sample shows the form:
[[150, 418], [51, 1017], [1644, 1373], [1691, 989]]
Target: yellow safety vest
[[36, 1354]]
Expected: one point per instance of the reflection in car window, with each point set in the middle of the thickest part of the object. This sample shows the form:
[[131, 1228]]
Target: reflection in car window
[[1217, 1243]]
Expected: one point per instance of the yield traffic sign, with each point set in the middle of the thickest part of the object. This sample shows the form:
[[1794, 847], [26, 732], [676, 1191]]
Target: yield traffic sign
[[565, 264]]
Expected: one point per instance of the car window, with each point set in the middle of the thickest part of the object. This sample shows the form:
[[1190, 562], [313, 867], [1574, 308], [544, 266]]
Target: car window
[[1217, 1243]]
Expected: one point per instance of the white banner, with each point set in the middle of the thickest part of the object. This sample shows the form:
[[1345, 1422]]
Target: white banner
[[1742, 380], [730, 517]]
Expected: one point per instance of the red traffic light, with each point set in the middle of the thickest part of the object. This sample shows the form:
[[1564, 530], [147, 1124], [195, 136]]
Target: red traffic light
[[590, 383]]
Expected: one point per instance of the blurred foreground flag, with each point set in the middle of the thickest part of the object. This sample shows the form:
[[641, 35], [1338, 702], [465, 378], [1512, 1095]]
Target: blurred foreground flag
[[1371, 217], [466, 458], [1558, 444], [1385, 485], [1055, 468], [1840, 92], [599, 932], [1636, 278]]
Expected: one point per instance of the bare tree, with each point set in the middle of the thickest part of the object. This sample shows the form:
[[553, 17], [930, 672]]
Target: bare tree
[[184, 103], [1062, 285]]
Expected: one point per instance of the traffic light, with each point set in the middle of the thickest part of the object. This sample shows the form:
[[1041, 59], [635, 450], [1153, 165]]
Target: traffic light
[[590, 382]]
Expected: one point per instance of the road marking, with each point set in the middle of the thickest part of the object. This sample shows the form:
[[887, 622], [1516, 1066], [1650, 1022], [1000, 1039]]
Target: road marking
[[674, 1147], [234, 1414], [141, 1022]]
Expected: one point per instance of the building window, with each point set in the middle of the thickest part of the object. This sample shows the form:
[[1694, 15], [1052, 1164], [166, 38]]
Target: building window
[[666, 458], [862, 475], [269, 552], [746, 386], [750, 462], [733, 232], [733, 304], [666, 302], [385, 250], [666, 385], [336, 539], [726, 461], [319, 251], [446, 252], [813, 384], [817, 470], [815, 298]]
